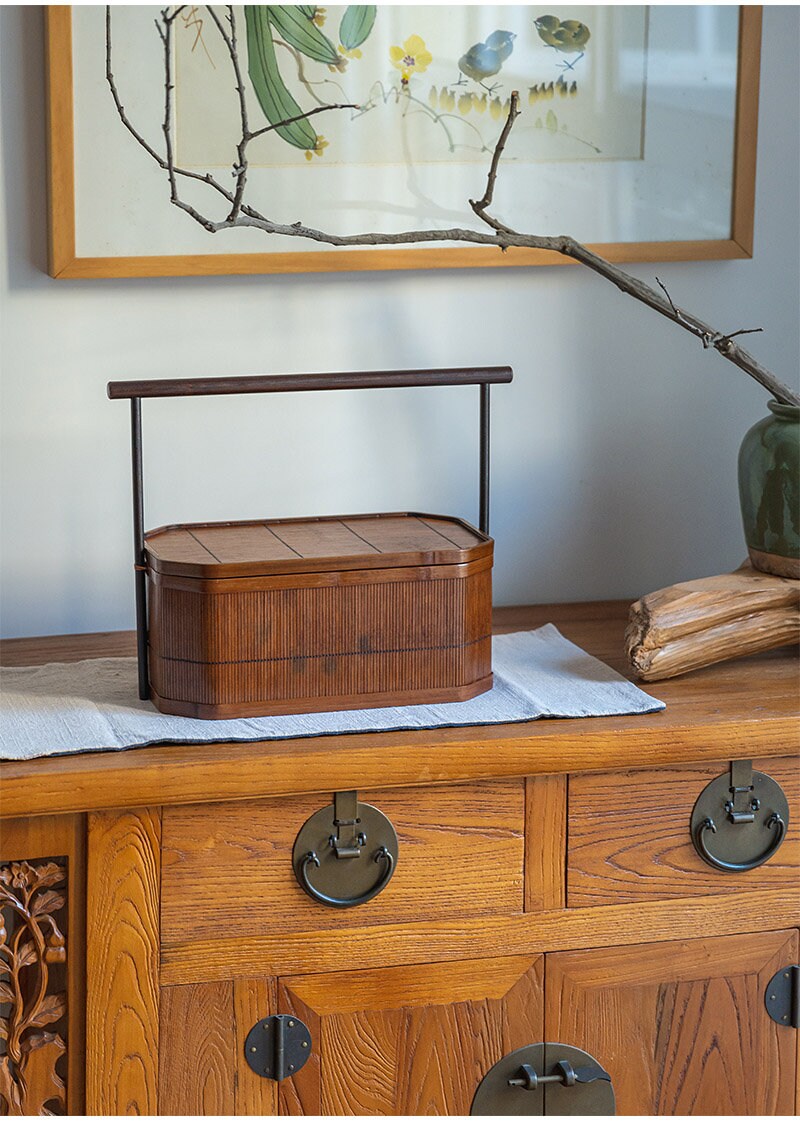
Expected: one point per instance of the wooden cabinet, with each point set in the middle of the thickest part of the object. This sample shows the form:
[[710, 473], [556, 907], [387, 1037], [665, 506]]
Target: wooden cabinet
[[547, 889]]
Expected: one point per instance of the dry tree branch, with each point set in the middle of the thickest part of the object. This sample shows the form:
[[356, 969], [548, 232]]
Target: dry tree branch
[[486, 199], [504, 237], [240, 170]]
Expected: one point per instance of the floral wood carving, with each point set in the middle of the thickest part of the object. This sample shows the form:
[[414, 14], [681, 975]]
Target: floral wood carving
[[30, 943]]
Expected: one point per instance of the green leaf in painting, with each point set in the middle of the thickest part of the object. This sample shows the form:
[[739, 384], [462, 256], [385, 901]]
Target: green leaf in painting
[[357, 22], [273, 96], [299, 31]]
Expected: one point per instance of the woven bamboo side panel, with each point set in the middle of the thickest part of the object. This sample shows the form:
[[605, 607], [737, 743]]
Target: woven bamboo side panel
[[320, 641]]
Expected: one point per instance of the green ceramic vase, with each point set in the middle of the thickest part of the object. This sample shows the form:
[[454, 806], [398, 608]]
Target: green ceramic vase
[[769, 491]]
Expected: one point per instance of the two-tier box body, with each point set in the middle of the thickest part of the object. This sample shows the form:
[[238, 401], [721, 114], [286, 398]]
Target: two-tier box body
[[316, 614]]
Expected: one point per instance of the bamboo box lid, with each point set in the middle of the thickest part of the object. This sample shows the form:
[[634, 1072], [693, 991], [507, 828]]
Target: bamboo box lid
[[219, 550]]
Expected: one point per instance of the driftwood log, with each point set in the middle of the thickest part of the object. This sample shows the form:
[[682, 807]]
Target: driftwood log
[[697, 623]]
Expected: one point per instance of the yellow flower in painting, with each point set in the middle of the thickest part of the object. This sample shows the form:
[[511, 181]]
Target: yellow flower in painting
[[319, 16], [433, 98], [465, 103], [412, 58], [496, 108], [480, 104], [318, 148], [447, 100], [354, 52]]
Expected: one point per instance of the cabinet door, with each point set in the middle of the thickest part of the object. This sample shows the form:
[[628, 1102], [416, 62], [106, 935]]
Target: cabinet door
[[681, 1027], [408, 1040]]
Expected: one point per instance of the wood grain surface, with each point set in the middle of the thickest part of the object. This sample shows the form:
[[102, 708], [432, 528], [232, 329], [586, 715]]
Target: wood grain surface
[[122, 997], [680, 1027], [202, 1068], [749, 705], [545, 842], [460, 853], [223, 550], [629, 837], [196, 1073], [409, 1041], [254, 998], [432, 939]]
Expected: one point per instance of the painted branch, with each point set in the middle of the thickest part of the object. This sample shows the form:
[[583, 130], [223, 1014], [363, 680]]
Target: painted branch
[[700, 622]]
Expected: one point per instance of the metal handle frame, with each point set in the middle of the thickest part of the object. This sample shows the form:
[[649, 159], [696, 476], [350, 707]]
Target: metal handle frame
[[708, 826], [311, 858], [282, 383]]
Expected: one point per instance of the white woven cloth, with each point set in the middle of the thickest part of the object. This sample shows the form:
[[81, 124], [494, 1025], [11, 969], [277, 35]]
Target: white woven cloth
[[93, 705]]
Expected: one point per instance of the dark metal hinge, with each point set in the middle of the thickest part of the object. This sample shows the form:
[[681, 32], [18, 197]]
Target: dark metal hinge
[[782, 997], [277, 1047]]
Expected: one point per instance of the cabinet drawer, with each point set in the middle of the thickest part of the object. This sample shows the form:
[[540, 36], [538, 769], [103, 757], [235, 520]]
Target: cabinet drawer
[[228, 867], [629, 838]]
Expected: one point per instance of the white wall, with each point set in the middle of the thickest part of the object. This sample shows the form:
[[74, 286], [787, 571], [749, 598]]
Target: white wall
[[614, 467]]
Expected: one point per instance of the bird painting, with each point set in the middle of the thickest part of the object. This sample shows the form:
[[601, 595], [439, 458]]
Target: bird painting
[[568, 36], [484, 60]]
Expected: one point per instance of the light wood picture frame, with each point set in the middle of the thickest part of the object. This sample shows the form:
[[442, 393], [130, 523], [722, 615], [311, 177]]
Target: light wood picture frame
[[67, 260]]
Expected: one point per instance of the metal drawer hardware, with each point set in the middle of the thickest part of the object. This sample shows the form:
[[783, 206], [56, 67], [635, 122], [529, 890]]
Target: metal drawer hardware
[[277, 1047], [782, 997], [565, 1074], [738, 807], [568, 1082], [345, 841]]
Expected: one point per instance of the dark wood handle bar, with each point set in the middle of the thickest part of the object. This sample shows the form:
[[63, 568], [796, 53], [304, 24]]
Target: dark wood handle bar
[[294, 383]]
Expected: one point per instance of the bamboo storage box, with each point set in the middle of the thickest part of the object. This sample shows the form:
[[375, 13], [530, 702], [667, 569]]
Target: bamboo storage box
[[314, 614], [258, 618]]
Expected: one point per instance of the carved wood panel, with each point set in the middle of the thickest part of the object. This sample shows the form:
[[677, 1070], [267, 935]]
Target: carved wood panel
[[33, 997], [42, 897], [681, 1027]]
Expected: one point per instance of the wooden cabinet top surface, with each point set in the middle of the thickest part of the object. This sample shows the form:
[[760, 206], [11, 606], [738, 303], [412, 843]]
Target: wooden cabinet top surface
[[743, 708]]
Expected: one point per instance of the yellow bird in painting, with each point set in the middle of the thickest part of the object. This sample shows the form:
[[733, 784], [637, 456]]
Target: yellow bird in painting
[[568, 36]]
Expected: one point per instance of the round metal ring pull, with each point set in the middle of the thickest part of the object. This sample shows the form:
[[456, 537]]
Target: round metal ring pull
[[346, 853], [746, 813], [311, 859]]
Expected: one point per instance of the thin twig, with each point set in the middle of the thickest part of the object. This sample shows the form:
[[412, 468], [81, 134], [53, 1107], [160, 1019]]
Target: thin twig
[[240, 170], [480, 206], [206, 178], [301, 117]]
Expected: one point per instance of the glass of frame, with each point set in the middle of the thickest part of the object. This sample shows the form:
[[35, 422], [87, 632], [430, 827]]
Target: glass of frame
[[637, 133]]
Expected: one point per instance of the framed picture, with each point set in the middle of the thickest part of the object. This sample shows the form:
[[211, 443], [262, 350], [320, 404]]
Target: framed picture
[[261, 139]]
